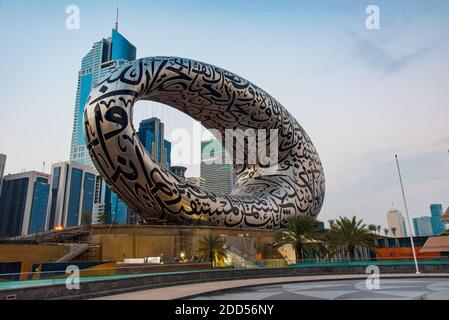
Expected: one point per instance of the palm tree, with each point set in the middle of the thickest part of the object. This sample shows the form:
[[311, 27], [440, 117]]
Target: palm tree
[[350, 233], [301, 232], [331, 222], [372, 228], [393, 231], [379, 227], [211, 247], [386, 231]]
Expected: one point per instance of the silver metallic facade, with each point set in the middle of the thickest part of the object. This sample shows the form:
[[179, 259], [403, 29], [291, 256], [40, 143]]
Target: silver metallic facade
[[220, 100]]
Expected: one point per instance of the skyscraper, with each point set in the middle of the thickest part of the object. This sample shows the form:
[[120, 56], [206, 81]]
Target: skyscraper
[[105, 56], [445, 217], [2, 169], [71, 195], [23, 203], [179, 171], [423, 226], [396, 224], [116, 208], [99, 208], [216, 168], [436, 211], [151, 135]]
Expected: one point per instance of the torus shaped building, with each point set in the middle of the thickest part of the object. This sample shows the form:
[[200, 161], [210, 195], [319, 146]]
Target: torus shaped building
[[220, 100]]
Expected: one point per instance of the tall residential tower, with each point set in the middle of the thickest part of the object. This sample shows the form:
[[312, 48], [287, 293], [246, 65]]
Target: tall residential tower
[[396, 224]]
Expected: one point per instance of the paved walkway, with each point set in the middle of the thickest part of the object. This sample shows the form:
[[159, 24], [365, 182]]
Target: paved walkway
[[182, 291], [354, 289]]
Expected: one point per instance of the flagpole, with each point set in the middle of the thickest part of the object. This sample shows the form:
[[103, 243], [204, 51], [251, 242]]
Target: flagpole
[[408, 218]]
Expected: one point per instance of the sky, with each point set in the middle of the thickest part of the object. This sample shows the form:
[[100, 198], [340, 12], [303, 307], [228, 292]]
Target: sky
[[362, 95]]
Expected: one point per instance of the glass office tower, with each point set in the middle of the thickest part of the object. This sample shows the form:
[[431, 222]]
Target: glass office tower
[[71, 196], [151, 135], [423, 226], [115, 207], [436, 211], [23, 203], [105, 56], [39, 205]]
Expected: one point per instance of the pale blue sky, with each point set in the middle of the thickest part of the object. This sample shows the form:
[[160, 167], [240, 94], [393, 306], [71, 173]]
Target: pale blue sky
[[361, 95]]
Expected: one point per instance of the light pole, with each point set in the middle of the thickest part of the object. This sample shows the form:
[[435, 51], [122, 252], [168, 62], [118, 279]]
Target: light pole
[[408, 219]]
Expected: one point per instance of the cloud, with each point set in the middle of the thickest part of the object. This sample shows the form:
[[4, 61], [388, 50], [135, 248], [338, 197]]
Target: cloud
[[378, 58]]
